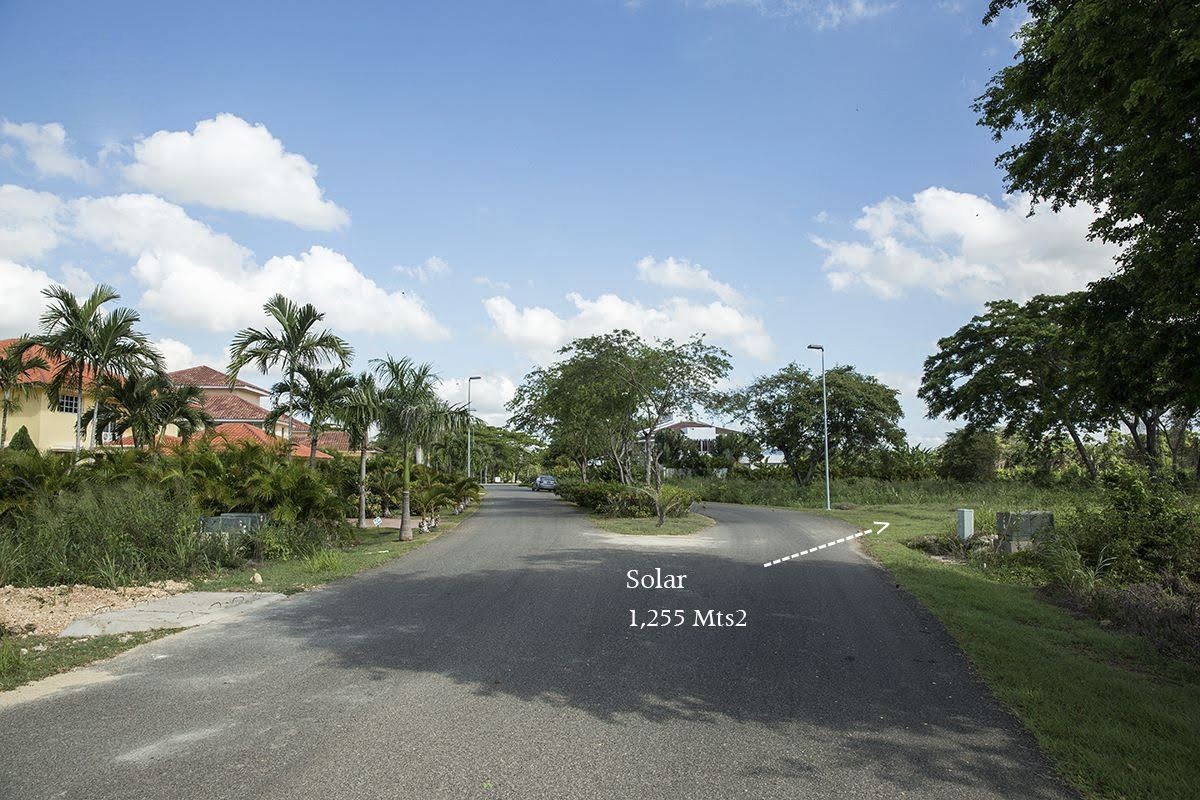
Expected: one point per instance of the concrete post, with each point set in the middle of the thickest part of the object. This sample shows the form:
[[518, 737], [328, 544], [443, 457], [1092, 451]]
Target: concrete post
[[966, 523]]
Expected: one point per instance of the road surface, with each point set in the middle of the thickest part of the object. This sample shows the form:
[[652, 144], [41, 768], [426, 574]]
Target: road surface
[[498, 662]]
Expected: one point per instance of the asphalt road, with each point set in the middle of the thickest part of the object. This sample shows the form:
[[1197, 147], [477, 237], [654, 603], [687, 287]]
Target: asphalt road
[[498, 662]]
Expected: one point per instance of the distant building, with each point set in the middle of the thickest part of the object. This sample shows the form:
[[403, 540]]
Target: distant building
[[704, 434]]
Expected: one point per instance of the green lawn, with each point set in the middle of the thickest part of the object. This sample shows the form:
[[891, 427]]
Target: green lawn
[[1118, 719], [640, 526], [60, 655], [374, 547]]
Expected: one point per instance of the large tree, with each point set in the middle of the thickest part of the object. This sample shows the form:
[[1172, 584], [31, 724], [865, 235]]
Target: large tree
[[359, 412], [1099, 108], [297, 343], [1025, 366], [18, 363], [784, 411]]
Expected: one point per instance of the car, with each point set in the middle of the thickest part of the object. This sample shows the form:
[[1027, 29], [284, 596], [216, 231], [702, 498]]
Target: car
[[547, 482]]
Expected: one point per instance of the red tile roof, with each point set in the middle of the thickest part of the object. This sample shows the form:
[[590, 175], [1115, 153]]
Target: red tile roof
[[40, 375], [226, 407], [208, 378], [234, 432]]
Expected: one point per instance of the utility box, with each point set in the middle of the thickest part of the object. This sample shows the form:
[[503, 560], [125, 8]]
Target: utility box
[[966, 524], [232, 523], [1021, 530]]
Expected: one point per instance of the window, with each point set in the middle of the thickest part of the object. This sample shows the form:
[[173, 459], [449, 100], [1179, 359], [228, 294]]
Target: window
[[68, 404]]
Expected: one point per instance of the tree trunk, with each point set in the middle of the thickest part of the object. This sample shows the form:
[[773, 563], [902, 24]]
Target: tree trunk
[[1084, 455], [79, 417], [406, 534], [583, 469], [793, 467], [291, 402], [1152, 450], [312, 451], [4, 422], [362, 485], [812, 468], [649, 455]]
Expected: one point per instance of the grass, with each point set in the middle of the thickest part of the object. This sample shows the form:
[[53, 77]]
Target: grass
[[1117, 719], [60, 655], [374, 547], [648, 526]]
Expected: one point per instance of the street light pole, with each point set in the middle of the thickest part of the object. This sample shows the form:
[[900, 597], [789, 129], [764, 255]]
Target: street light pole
[[472, 378], [825, 414]]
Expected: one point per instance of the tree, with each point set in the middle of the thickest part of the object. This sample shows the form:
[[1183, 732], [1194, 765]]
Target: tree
[[145, 404], [296, 344], [359, 413], [18, 363], [1102, 100], [314, 393], [182, 405], [81, 340], [1026, 366], [969, 455], [412, 414], [784, 411]]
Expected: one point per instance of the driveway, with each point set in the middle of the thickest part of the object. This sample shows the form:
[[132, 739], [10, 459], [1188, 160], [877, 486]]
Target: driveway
[[499, 662]]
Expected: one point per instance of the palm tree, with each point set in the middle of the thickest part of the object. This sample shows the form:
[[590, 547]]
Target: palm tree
[[413, 414], [80, 338], [295, 345], [359, 413], [145, 404], [17, 363], [314, 392], [182, 405]]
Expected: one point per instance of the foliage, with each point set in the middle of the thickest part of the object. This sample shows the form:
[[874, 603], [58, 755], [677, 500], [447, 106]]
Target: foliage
[[18, 362], [22, 441], [970, 455], [145, 404], [784, 411], [622, 500]]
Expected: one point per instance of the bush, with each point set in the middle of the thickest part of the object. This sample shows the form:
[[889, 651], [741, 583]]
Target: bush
[[22, 441], [969, 455], [297, 540], [108, 535], [624, 500]]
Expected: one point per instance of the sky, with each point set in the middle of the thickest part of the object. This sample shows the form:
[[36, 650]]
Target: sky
[[475, 184]]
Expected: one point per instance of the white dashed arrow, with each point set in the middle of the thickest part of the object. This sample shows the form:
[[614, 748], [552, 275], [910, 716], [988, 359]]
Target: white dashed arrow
[[883, 527]]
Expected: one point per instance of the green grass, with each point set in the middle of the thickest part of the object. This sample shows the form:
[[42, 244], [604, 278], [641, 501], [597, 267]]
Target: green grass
[[643, 526], [374, 547], [1116, 718], [60, 655]]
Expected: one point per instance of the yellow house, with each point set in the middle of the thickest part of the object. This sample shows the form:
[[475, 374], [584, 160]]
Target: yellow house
[[51, 428]]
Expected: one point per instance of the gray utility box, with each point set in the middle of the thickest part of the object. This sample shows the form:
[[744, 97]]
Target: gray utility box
[[1021, 530], [232, 523], [966, 524]]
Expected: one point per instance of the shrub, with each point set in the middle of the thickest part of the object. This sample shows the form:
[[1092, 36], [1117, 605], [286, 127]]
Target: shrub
[[108, 535], [22, 441], [969, 455], [286, 541], [624, 500]]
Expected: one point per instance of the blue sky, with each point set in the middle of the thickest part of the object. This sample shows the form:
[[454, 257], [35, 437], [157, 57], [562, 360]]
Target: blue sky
[[473, 184]]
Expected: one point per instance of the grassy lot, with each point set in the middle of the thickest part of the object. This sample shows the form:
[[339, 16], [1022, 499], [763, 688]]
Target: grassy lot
[[60, 655], [1117, 719], [374, 547], [641, 526]]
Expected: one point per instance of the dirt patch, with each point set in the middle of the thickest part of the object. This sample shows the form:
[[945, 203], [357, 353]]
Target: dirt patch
[[46, 610]]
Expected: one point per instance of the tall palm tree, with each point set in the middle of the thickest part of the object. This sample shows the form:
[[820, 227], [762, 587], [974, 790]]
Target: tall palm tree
[[296, 344], [359, 413], [17, 363], [413, 414], [81, 339], [315, 393], [182, 405]]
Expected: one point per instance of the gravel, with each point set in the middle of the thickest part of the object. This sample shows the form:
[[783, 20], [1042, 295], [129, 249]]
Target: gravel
[[46, 610]]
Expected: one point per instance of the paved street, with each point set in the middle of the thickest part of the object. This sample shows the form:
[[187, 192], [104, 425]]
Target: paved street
[[498, 662]]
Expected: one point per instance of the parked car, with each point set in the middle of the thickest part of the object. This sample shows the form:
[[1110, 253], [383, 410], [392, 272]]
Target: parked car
[[547, 482]]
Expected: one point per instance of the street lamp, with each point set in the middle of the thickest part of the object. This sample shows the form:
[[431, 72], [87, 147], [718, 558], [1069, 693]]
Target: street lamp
[[825, 413], [472, 378]]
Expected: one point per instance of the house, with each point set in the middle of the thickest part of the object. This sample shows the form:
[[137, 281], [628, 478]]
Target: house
[[50, 427], [704, 434]]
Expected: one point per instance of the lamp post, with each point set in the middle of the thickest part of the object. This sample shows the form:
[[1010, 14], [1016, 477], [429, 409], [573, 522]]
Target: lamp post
[[472, 378], [825, 414]]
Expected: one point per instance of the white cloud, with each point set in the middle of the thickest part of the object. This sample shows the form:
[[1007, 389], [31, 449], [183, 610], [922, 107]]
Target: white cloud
[[180, 355], [134, 224], [488, 395], [29, 222], [484, 280], [539, 331], [46, 148], [963, 246], [21, 301], [433, 267], [230, 164], [679, 273]]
